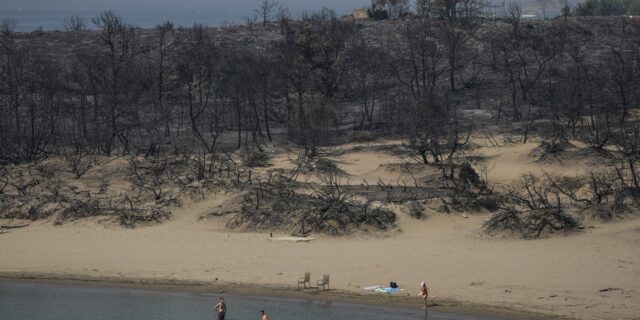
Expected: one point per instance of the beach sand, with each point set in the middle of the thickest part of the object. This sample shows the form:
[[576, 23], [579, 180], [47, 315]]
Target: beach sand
[[558, 276]]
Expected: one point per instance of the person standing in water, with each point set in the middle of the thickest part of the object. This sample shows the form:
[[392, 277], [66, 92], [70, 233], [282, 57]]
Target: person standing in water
[[221, 309], [424, 294], [263, 315]]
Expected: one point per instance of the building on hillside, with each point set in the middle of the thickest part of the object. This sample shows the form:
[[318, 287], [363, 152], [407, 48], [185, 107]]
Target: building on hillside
[[360, 14], [543, 9]]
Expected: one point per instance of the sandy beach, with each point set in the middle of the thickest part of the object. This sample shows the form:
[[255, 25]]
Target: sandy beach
[[559, 276], [589, 275]]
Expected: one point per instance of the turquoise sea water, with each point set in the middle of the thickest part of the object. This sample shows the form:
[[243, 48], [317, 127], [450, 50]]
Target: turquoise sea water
[[44, 301], [50, 14]]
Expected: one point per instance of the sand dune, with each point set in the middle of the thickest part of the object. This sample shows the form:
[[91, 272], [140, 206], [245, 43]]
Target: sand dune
[[557, 276]]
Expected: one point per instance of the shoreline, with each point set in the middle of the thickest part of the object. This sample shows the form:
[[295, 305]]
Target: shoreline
[[279, 291]]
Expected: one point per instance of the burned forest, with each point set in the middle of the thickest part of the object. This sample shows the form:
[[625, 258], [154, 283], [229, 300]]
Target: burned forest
[[126, 125]]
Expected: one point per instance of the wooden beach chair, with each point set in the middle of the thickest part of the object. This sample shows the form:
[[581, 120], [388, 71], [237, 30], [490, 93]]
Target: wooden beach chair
[[305, 281], [324, 282]]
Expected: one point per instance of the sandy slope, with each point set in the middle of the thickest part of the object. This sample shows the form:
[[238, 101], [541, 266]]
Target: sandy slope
[[561, 275]]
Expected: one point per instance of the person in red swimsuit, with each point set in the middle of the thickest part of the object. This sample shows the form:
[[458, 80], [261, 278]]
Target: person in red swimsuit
[[424, 294]]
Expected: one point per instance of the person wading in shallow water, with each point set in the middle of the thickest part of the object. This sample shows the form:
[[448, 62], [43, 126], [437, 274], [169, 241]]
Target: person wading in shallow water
[[221, 309], [424, 294], [263, 315]]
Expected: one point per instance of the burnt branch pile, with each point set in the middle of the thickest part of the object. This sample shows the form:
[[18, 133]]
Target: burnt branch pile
[[533, 208], [547, 203], [282, 202]]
